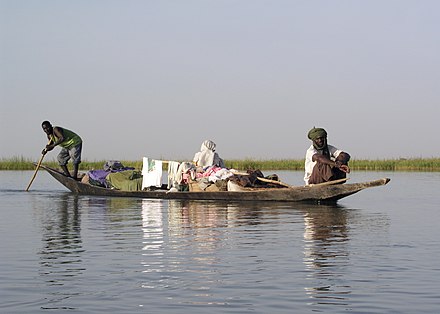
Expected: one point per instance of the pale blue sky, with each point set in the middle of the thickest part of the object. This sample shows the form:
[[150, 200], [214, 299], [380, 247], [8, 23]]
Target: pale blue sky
[[156, 78]]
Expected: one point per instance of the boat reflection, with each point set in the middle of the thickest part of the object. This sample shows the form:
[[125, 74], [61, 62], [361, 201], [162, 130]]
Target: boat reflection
[[176, 236], [326, 253], [188, 239], [61, 255], [190, 243], [153, 227], [202, 214], [111, 210], [197, 214]]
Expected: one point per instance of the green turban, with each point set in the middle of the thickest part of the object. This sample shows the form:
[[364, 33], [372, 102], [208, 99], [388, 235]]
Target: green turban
[[316, 132]]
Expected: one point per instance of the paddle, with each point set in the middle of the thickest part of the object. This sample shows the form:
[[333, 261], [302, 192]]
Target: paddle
[[36, 170]]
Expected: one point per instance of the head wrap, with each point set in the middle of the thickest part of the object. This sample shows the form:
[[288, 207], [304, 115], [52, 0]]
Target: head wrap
[[316, 132], [208, 144]]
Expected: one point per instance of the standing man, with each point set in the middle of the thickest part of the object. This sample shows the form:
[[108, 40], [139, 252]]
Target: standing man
[[71, 145], [324, 162]]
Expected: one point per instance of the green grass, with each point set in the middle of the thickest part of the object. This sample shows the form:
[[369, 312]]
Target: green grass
[[412, 164], [21, 163]]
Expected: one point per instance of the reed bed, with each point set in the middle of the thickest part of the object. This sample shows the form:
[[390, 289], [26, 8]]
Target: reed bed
[[412, 164], [21, 163]]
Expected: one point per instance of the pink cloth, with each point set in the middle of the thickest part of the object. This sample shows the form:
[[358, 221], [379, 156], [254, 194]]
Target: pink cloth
[[208, 172]]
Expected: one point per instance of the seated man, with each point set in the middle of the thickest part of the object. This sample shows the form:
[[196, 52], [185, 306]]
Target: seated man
[[207, 156], [324, 162]]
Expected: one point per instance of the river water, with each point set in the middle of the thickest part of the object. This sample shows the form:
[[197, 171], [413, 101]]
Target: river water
[[377, 251]]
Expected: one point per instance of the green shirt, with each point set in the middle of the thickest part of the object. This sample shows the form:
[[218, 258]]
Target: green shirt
[[71, 139]]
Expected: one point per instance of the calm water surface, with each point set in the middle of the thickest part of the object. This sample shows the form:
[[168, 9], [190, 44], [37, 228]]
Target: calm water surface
[[378, 251]]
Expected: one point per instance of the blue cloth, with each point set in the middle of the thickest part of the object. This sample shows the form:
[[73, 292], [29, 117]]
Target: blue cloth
[[99, 177]]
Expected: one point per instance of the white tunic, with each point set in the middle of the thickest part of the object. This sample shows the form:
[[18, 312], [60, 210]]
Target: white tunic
[[309, 164]]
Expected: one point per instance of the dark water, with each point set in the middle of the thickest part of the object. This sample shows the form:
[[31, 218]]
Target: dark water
[[376, 252]]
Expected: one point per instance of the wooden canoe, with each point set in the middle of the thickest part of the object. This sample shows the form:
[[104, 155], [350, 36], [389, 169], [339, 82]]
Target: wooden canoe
[[311, 194]]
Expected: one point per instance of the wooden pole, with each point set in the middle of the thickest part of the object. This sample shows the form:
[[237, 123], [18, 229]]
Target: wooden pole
[[35, 173], [274, 182], [264, 179], [330, 182], [36, 170]]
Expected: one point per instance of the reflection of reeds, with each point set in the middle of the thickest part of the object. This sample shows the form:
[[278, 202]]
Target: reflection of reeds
[[412, 164]]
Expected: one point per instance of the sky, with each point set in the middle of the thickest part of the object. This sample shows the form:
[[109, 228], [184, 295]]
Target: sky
[[156, 78]]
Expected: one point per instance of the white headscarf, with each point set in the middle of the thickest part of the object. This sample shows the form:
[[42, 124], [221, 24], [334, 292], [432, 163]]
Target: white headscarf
[[208, 145]]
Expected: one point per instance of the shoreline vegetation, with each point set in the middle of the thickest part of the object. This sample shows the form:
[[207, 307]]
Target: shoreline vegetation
[[401, 164]]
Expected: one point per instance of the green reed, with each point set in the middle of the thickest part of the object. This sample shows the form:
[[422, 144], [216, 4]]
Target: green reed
[[412, 164], [21, 163], [273, 164]]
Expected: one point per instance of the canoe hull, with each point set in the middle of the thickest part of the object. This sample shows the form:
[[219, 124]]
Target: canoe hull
[[314, 194]]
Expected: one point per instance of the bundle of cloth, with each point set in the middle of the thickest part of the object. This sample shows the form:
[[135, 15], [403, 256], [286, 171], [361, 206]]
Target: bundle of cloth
[[116, 176], [213, 176]]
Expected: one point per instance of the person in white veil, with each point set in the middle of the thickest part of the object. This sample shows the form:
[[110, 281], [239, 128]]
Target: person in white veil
[[207, 156]]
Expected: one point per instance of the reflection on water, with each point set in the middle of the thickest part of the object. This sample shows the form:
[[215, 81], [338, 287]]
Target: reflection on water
[[180, 237], [202, 222], [93, 254], [197, 252], [109, 229], [326, 253], [188, 237], [328, 231], [61, 254], [152, 226], [153, 242]]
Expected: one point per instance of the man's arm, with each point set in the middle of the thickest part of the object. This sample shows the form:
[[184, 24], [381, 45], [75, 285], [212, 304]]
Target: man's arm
[[322, 159], [58, 133], [336, 164]]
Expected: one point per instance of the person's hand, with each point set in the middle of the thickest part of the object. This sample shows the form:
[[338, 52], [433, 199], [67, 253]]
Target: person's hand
[[344, 168]]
